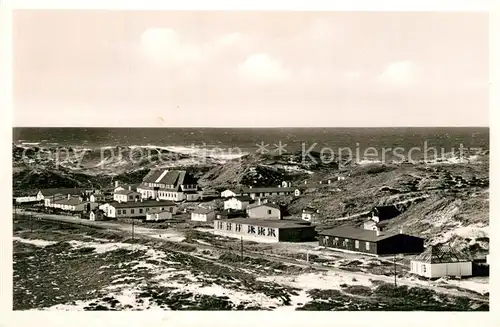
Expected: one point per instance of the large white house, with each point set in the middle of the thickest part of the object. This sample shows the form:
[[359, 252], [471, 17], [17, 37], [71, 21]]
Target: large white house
[[237, 203], [126, 195], [439, 261], [174, 185], [264, 211], [137, 208]]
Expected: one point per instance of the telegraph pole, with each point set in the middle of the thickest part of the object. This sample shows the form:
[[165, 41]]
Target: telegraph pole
[[395, 272], [241, 248], [132, 228]]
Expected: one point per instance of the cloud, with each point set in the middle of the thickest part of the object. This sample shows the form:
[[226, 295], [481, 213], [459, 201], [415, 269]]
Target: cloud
[[261, 68], [163, 46], [398, 73]]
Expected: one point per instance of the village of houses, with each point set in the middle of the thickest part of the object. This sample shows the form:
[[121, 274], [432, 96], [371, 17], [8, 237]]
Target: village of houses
[[246, 213]]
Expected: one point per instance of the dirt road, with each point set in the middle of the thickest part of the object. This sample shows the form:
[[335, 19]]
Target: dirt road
[[177, 236]]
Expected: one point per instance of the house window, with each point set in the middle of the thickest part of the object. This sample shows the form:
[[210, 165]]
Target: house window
[[228, 226], [346, 242], [119, 212], [140, 210], [130, 197], [132, 211], [367, 246], [147, 209], [336, 241], [356, 244], [124, 211], [423, 268], [271, 232], [261, 231], [219, 224], [238, 227], [251, 229], [268, 212], [162, 208]]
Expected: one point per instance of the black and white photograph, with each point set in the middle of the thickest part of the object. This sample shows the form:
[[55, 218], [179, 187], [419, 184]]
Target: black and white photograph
[[220, 160]]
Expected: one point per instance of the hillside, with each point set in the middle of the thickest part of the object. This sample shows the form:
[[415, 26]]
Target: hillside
[[442, 201]]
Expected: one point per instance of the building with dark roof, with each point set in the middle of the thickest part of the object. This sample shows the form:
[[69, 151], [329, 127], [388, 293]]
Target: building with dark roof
[[137, 209], [368, 241], [126, 195], [262, 192], [175, 185], [439, 261], [261, 230]]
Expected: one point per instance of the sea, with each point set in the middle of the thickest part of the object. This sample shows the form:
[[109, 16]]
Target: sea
[[249, 140]]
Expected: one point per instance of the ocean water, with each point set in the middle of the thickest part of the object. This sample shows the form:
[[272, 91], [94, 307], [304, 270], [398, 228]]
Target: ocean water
[[247, 140]]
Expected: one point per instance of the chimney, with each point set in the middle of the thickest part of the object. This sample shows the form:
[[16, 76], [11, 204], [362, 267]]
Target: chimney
[[377, 230], [401, 230], [305, 182], [250, 186], [117, 183], [329, 181], [69, 196], [130, 188], [258, 201], [320, 182], [279, 186]]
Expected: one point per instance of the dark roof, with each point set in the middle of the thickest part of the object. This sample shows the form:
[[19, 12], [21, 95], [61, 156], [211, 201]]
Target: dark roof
[[142, 204], [281, 223], [356, 233], [386, 212], [203, 211], [125, 192], [170, 177], [441, 254], [271, 205], [268, 189], [70, 201], [244, 198], [98, 211], [310, 210], [54, 191]]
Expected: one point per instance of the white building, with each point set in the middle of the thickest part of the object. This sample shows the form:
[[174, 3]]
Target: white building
[[97, 198], [264, 211], [137, 208], [309, 214], [28, 197], [263, 192], [229, 193], [237, 203], [70, 203], [158, 215], [203, 214], [96, 214], [174, 185], [440, 261], [126, 195]]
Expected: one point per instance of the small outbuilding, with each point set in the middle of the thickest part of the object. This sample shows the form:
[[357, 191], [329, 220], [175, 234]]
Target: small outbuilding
[[203, 214], [97, 214], [158, 215], [237, 203], [439, 261], [264, 211]]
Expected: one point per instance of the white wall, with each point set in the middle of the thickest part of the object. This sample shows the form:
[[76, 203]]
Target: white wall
[[203, 217], [22, 199], [137, 212], [306, 216], [156, 216], [437, 270], [227, 194], [235, 204], [243, 233]]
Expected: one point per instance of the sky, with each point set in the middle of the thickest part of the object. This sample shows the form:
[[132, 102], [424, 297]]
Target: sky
[[249, 69]]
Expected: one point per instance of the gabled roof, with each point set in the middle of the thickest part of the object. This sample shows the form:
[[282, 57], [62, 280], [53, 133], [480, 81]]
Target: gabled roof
[[356, 233], [203, 211], [441, 254], [125, 192], [142, 204], [268, 189], [243, 198], [54, 191], [270, 205], [170, 177]]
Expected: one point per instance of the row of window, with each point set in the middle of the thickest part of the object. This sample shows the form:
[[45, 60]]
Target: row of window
[[161, 185], [345, 242], [261, 231], [168, 194], [133, 211]]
